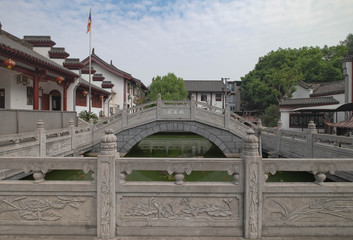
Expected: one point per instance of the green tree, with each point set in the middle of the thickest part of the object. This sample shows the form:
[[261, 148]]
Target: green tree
[[277, 73], [169, 86], [271, 116], [348, 42], [85, 115], [273, 78]]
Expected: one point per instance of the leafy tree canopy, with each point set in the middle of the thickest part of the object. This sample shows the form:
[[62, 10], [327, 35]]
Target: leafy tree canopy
[[277, 73], [169, 86], [348, 42]]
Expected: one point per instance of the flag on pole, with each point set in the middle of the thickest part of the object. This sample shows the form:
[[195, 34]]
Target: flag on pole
[[89, 22]]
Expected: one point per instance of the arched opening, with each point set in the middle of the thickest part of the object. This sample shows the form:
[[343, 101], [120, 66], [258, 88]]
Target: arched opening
[[175, 144], [55, 97]]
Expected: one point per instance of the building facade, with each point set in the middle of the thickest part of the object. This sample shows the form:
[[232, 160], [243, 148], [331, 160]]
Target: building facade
[[35, 75], [319, 102], [208, 91]]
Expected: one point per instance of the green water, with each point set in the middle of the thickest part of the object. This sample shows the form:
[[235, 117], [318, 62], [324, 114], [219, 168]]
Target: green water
[[202, 148]]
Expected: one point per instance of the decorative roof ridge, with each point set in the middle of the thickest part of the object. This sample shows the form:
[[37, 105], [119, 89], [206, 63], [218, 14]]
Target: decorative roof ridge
[[16, 39], [111, 66], [72, 60], [39, 41], [58, 52], [60, 49]]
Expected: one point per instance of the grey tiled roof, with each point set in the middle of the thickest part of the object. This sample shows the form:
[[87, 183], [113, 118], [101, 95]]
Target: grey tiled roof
[[93, 55], [308, 101], [305, 85], [13, 45], [329, 89], [86, 84], [204, 85]]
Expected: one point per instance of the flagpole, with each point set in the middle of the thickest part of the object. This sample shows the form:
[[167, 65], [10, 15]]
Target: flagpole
[[89, 70]]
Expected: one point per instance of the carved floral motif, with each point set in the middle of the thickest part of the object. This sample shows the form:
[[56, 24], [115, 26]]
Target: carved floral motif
[[182, 209], [254, 205], [317, 210], [106, 199], [32, 209]]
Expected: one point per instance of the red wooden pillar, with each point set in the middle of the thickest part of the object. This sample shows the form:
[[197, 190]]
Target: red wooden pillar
[[36, 92], [65, 96]]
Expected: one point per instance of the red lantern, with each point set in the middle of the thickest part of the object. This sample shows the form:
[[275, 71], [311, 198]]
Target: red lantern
[[84, 93], [59, 79], [9, 63], [101, 97]]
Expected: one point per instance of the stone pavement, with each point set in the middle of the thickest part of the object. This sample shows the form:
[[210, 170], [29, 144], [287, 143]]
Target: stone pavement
[[36, 237]]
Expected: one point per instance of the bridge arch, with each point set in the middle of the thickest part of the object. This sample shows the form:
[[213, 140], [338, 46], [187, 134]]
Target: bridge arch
[[227, 142]]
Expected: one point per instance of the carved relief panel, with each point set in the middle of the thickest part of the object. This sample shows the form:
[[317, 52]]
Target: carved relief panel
[[47, 209], [294, 210], [180, 209]]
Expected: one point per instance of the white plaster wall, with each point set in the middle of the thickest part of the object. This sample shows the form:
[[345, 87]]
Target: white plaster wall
[[215, 103], [301, 92], [6, 77], [118, 98], [19, 94], [350, 87], [59, 61], [42, 51], [71, 96], [285, 119], [50, 86]]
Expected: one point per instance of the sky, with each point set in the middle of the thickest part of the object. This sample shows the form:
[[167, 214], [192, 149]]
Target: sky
[[194, 39]]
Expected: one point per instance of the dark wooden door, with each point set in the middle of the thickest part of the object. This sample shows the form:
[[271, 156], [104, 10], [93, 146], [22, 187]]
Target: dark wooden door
[[56, 103], [45, 102], [2, 98]]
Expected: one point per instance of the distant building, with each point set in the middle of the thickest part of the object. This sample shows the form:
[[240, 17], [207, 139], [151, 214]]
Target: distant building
[[208, 91], [123, 86], [319, 102], [35, 75], [234, 95], [31, 81]]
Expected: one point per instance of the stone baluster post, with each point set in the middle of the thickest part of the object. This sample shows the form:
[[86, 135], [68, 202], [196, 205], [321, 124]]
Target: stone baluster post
[[226, 116], [192, 107], [159, 105], [72, 133], [124, 114], [278, 133], [91, 129], [310, 141], [42, 137], [254, 180], [106, 199]]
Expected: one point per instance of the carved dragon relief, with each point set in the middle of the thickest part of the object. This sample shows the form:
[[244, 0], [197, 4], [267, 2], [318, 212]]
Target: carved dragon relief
[[182, 209], [34, 209], [317, 210]]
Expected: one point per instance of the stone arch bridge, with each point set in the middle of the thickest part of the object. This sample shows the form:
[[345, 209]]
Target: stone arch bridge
[[220, 126]]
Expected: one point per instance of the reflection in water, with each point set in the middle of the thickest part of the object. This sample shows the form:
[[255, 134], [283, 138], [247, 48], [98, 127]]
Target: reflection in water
[[175, 145]]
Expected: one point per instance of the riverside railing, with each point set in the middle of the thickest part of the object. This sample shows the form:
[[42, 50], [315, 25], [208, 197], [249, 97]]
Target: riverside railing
[[310, 144], [111, 206]]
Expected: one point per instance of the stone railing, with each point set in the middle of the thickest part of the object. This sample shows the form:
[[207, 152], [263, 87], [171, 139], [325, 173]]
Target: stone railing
[[22, 121], [305, 144], [112, 206]]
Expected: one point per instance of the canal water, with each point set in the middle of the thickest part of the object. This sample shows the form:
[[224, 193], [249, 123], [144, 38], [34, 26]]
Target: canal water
[[176, 146]]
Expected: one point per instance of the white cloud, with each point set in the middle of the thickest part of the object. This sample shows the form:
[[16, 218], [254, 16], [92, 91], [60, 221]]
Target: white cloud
[[198, 39]]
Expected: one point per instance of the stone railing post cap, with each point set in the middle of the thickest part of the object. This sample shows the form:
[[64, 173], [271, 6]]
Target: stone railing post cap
[[109, 137], [250, 136]]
